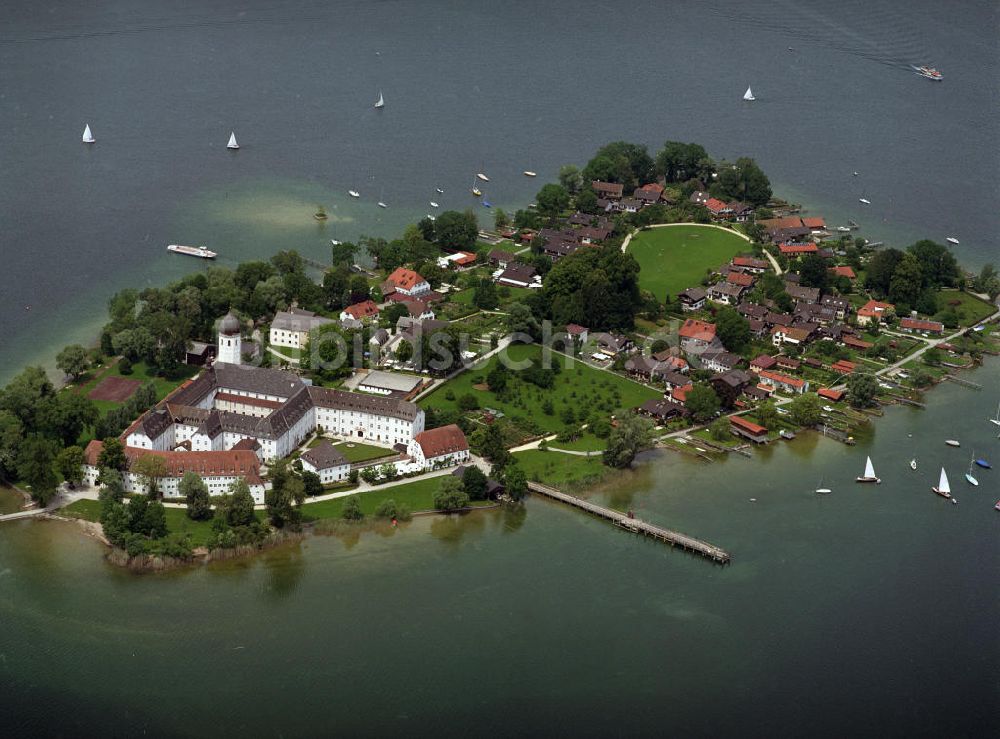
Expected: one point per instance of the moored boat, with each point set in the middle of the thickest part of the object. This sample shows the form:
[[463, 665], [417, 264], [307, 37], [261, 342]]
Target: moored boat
[[866, 201], [529, 173], [996, 419], [952, 442], [913, 464], [354, 193], [434, 205], [483, 177], [380, 103], [952, 240], [929, 72], [869, 475], [943, 488], [88, 137], [232, 141], [748, 95], [192, 251], [984, 464]]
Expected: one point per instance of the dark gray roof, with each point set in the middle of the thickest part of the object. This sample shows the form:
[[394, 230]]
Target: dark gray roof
[[324, 455], [298, 320], [363, 403], [263, 380]]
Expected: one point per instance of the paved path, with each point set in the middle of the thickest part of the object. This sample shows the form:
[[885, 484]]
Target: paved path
[[773, 261], [63, 498]]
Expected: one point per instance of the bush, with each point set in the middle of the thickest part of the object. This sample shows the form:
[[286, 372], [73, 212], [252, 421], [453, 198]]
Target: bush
[[124, 366], [468, 402], [352, 509], [387, 509]]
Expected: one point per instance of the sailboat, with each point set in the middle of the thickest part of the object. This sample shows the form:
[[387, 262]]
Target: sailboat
[[380, 103], [434, 205], [354, 193], [865, 201], [748, 95], [475, 189], [869, 475], [996, 421], [913, 464], [968, 475], [943, 488], [88, 137], [822, 490], [232, 141], [439, 190]]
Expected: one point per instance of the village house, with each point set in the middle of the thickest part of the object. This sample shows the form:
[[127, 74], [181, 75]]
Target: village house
[[406, 282], [915, 325], [843, 271], [662, 410], [720, 361], [291, 328], [788, 364], [743, 279], [730, 385], [697, 336], [841, 306], [440, 447], [500, 258], [815, 224], [875, 312], [611, 344], [593, 234], [814, 313], [364, 311], [831, 394], [726, 293], [418, 309], [794, 335], [457, 260], [802, 294], [787, 229], [607, 190], [519, 275], [843, 366], [748, 429], [327, 461], [700, 197], [692, 299], [750, 264], [785, 382], [763, 362], [577, 332]]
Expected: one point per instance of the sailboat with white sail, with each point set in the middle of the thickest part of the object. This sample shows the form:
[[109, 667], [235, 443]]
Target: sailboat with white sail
[[943, 488], [380, 103], [88, 137], [869, 475], [996, 419], [475, 189], [232, 141], [823, 490], [968, 475], [748, 95]]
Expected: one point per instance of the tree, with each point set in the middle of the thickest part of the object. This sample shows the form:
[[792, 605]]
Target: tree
[[497, 378], [492, 446], [352, 509], [35, 460], [767, 414], [69, 462], [805, 410], [456, 230], [988, 282], [933, 356], [500, 219], [343, 254], [450, 496], [195, 493], [732, 329], [485, 295], [679, 162], [468, 402], [813, 272], [597, 288], [74, 360], [743, 181], [312, 483], [880, 269], [570, 178], [906, 283], [112, 454], [388, 508], [862, 390], [620, 161], [151, 468], [937, 263], [239, 507], [520, 320], [404, 351], [631, 435], [284, 499], [515, 482], [64, 416], [720, 428], [474, 483], [552, 199], [703, 403], [25, 395]]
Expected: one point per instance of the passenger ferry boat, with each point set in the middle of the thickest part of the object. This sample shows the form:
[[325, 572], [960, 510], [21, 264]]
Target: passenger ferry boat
[[929, 72], [192, 251]]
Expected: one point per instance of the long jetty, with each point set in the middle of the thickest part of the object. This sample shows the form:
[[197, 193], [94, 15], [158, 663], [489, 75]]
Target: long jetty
[[635, 525]]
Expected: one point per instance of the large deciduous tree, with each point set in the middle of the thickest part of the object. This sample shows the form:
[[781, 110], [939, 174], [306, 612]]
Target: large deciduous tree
[[631, 435]]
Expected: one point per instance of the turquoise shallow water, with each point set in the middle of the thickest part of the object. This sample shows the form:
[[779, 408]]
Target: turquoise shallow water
[[468, 88], [871, 611]]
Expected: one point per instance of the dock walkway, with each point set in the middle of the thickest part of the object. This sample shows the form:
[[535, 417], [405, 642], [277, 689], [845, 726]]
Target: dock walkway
[[635, 525]]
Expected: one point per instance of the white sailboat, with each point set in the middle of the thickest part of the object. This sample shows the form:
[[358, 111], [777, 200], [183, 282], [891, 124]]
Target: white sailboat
[[968, 475], [475, 189], [823, 490], [943, 488], [380, 103], [869, 475], [748, 95], [996, 421], [913, 464], [232, 141], [88, 137]]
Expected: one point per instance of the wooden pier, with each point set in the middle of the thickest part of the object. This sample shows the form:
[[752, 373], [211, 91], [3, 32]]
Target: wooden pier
[[635, 525], [963, 382]]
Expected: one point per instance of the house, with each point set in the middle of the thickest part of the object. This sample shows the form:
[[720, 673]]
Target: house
[[327, 461], [646, 368], [789, 364], [391, 383], [700, 197], [778, 319], [674, 380], [914, 324], [815, 224], [763, 362], [814, 313], [720, 361], [418, 309], [697, 336], [630, 205], [500, 258], [758, 328], [577, 332], [831, 394], [843, 366], [730, 385], [790, 335], [748, 429], [752, 310], [366, 310], [647, 197], [841, 306], [743, 279], [218, 469], [749, 264], [855, 343], [680, 393], [802, 294], [607, 190], [406, 282], [673, 362], [519, 275], [593, 234], [377, 341], [199, 353], [726, 293], [873, 312], [292, 327], [441, 447], [843, 271], [719, 210], [785, 382], [789, 228], [457, 260], [611, 343], [692, 299], [797, 250], [662, 410]]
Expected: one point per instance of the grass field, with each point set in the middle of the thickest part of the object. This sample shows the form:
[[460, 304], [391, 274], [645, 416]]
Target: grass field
[[675, 258], [417, 496], [586, 443], [579, 387], [177, 520], [564, 471], [140, 372], [970, 309], [357, 452]]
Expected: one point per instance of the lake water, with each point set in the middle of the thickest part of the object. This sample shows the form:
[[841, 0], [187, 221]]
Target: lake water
[[468, 87], [868, 612]]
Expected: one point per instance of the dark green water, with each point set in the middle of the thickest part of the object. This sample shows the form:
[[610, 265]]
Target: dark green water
[[871, 611], [469, 87]]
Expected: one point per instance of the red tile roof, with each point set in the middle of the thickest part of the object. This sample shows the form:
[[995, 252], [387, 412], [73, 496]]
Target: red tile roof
[[695, 329], [814, 223], [764, 361], [746, 425], [235, 462], [740, 278], [443, 440], [829, 393], [364, 309], [918, 325], [843, 366], [798, 248], [844, 271], [781, 379], [404, 278]]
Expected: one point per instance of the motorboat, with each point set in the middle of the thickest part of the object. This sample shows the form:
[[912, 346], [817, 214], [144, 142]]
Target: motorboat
[[984, 464], [529, 173], [952, 240], [929, 72], [434, 205], [354, 193], [952, 442]]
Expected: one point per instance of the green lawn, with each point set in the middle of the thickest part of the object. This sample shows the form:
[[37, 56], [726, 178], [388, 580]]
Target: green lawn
[[578, 386], [417, 496], [564, 471], [463, 297], [586, 443], [675, 258], [357, 452], [970, 309], [177, 520]]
